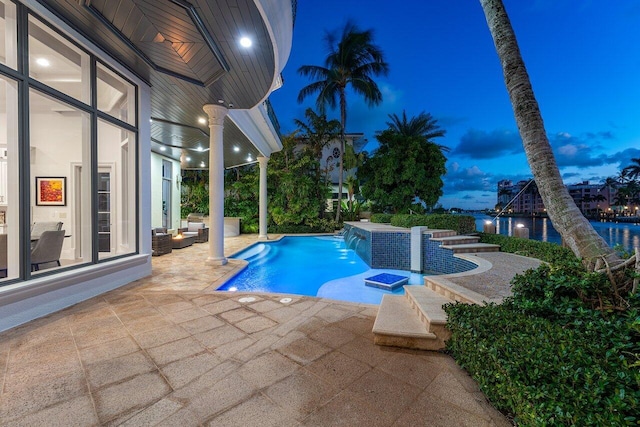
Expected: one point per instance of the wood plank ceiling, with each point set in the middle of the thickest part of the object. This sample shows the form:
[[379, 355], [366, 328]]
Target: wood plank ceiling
[[189, 52]]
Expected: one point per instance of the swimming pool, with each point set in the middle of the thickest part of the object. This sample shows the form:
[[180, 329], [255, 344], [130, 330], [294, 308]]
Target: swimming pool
[[311, 265]]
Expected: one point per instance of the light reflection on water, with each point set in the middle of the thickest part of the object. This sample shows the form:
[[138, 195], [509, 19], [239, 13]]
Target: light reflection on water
[[627, 235]]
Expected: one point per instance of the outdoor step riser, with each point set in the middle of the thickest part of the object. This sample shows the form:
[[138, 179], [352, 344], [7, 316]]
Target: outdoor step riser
[[461, 241], [445, 292], [472, 250], [438, 234], [409, 342]]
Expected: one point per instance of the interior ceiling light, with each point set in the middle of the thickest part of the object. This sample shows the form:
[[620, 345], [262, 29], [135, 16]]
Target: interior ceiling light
[[201, 164], [199, 148], [163, 148], [188, 159], [236, 149], [245, 42], [202, 120], [249, 159], [43, 62]]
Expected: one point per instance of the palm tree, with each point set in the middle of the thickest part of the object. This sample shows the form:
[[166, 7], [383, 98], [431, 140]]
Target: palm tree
[[575, 229], [353, 60], [633, 170], [423, 125]]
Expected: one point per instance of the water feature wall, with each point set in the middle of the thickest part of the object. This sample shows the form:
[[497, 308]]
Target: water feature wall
[[392, 249]]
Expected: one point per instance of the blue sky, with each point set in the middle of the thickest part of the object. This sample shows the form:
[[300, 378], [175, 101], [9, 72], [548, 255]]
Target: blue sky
[[583, 58]]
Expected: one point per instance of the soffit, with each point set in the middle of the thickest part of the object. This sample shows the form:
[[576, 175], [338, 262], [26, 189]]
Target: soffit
[[188, 52]]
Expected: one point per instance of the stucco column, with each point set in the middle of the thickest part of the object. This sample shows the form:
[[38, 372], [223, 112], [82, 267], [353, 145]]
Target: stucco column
[[262, 231], [216, 115]]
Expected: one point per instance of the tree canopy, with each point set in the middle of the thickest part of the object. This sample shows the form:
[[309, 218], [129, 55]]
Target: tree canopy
[[402, 169], [353, 60]]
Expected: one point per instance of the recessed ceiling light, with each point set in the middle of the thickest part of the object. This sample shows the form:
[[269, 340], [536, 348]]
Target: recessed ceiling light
[[245, 42], [43, 62], [163, 148], [236, 149], [199, 148], [201, 164], [249, 159], [188, 159], [202, 120]]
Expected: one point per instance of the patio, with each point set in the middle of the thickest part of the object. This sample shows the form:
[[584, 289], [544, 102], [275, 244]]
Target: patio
[[170, 350]]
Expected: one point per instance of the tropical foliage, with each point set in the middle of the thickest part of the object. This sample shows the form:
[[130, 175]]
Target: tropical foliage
[[406, 170], [353, 61]]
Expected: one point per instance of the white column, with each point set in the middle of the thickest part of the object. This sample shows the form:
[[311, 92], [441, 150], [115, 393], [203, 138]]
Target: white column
[[262, 232], [216, 115]]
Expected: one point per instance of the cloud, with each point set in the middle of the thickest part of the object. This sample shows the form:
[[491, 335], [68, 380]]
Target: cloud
[[466, 179], [478, 144], [581, 151]]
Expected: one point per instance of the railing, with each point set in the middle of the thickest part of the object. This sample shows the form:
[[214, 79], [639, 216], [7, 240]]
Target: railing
[[272, 115]]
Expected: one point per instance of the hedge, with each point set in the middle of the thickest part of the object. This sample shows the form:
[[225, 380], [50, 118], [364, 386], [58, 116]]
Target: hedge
[[545, 372], [545, 251], [381, 218], [462, 224]]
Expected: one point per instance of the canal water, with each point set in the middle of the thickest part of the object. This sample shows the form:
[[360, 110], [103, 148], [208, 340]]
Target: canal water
[[627, 235]]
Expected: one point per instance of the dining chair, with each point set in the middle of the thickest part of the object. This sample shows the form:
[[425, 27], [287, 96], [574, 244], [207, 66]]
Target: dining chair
[[47, 249]]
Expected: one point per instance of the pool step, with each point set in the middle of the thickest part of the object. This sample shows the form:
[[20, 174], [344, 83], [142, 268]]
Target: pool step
[[415, 320], [472, 248], [456, 240]]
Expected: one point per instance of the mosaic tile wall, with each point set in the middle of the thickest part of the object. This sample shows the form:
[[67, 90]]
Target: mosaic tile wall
[[391, 250], [441, 261], [387, 249]]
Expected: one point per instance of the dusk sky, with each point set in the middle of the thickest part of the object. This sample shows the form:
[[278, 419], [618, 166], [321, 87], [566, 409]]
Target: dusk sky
[[583, 58]]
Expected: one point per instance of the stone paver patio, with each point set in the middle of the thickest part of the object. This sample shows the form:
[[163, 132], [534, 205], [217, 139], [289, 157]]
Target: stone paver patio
[[169, 350]]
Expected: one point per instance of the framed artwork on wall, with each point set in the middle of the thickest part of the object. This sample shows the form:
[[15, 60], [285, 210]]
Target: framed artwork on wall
[[51, 191]]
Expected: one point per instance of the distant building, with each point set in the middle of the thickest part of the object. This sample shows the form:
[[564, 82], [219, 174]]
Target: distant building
[[590, 198], [330, 162]]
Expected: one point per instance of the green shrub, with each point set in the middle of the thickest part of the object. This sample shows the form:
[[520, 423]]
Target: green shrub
[[462, 224], [249, 226], [582, 370], [545, 251], [381, 218], [315, 226]]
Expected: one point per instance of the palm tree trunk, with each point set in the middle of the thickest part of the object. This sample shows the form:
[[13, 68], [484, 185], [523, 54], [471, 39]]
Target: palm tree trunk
[[343, 122], [576, 231]]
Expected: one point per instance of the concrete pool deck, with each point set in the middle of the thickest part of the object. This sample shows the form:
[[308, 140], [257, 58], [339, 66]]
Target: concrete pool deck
[[170, 350]]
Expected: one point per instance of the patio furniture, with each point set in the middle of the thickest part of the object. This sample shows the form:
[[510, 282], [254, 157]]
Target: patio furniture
[[161, 242], [182, 241], [197, 230], [47, 249]]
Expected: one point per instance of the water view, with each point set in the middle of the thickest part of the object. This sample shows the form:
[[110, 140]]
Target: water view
[[626, 235]]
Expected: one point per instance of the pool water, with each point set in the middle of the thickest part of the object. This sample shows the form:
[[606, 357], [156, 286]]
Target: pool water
[[319, 266]]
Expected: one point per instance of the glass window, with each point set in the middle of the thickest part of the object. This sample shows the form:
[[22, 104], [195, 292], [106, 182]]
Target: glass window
[[116, 190], [8, 45], [9, 212], [61, 181], [56, 62], [116, 96]]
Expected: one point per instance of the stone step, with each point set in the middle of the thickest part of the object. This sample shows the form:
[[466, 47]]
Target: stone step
[[398, 325], [428, 305], [472, 248], [438, 234], [457, 240]]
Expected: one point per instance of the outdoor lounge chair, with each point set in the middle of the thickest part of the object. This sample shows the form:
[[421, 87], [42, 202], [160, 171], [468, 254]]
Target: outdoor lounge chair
[[196, 229], [161, 241]]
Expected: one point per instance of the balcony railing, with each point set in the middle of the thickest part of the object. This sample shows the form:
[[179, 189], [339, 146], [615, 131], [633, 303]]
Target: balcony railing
[[272, 115]]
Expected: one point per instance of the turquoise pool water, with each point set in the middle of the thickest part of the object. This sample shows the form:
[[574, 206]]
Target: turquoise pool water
[[314, 266]]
